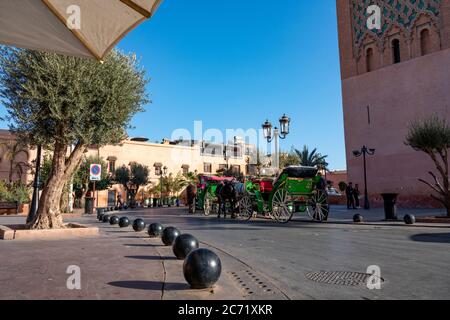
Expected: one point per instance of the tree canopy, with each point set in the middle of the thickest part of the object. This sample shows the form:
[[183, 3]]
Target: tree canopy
[[132, 178], [311, 159], [57, 101], [55, 98], [432, 136]]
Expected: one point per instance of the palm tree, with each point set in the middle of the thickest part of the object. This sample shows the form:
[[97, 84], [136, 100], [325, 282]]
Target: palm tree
[[11, 153], [311, 159]]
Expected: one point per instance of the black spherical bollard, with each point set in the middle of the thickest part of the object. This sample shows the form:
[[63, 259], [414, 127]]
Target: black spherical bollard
[[114, 220], [169, 235], [409, 219], [202, 269], [106, 218], [155, 230], [183, 245], [111, 209], [100, 216], [124, 222], [357, 218], [138, 225]]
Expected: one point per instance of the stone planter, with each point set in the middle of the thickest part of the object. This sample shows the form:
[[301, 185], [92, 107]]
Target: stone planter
[[71, 230]]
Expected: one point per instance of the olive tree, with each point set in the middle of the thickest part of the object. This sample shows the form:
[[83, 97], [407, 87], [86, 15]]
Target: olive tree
[[432, 136], [81, 180], [132, 178], [58, 101]]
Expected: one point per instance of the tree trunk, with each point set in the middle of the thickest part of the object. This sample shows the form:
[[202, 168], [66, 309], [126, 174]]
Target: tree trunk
[[11, 164], [49, 213]]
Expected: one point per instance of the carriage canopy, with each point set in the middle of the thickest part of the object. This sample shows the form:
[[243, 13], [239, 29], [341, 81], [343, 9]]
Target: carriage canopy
[[300, 172]]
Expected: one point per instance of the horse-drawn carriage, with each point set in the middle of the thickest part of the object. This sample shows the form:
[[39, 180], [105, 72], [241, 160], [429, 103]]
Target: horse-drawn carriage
[[295, 190], [207, 199]]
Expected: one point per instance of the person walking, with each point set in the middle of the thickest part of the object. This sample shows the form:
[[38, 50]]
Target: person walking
[[349, 193], [119, 201], [356, 195]]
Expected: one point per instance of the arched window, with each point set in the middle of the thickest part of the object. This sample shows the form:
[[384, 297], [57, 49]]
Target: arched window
[[396, 57], [369, 59], [425, 42]]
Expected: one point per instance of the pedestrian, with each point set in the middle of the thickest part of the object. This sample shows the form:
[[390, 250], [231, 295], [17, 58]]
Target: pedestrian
[[356, 195], [322, 184], [119, 201], [349, 193]]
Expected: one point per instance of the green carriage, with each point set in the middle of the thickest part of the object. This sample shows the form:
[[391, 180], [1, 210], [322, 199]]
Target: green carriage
[[295, 190], [206, 194]]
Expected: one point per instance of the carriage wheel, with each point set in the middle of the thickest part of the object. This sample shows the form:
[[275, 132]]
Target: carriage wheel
[[318, 207], [245, 209], [207, 205], [210, 205], [282, 208], [192, 207]]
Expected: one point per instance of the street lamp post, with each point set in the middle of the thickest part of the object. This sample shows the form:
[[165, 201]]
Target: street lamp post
[[162, 174], [364, 152], [226, 155], [276, 135], [36, 184]]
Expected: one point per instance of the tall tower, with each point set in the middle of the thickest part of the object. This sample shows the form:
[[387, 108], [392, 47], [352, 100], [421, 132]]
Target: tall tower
[[390, 77]]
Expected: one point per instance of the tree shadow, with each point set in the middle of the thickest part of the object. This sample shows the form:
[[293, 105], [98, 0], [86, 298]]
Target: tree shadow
[[432, 237], [152, 258], [120, 231], [130, 237], [144, 245], [148, 285]]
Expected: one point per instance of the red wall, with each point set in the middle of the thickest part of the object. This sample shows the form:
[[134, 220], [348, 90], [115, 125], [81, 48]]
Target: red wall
[[396, 95]]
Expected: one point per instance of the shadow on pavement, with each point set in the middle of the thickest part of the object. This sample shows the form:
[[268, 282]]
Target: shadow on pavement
[[156, 258], [143, 245], [432, 237], [148, 285], [130, 237], [121, 231]]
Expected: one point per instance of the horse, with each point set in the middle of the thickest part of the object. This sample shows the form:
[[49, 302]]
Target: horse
[[228, 191], [191, 193]]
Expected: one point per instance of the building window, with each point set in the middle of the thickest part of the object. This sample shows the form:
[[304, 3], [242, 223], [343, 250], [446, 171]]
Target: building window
[[396, 56], [211, 149], [112, 166], [369, 59], [236, 169], [158, 169], [185, 169], [207, 167], [222, 167], [425, 42]]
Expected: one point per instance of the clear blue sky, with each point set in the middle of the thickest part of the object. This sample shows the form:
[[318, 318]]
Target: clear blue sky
[[234, 63]]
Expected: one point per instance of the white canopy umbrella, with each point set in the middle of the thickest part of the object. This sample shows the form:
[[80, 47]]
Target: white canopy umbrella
[[82, 28]]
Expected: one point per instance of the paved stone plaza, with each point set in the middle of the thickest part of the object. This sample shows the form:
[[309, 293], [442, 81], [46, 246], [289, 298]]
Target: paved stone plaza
[[261, 259]]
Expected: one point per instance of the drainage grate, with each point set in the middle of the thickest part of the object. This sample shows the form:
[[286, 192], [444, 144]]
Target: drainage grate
[[342, 278], [252, 283]]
